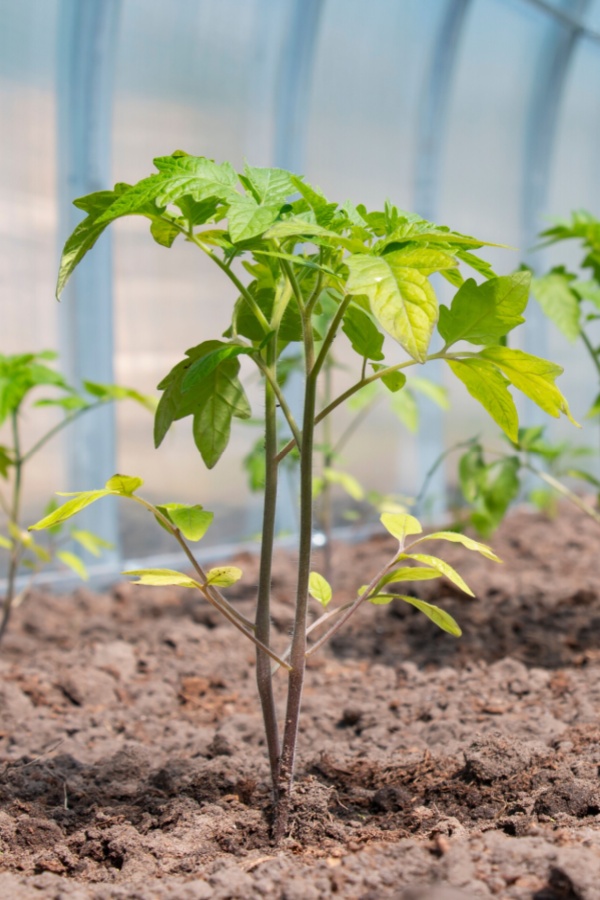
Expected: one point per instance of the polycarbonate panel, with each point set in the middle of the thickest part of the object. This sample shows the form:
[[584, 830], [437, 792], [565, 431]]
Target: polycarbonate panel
[[28, 217], [197, 76]]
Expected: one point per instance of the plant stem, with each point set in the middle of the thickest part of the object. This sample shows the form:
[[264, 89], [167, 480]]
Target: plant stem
[[210, 592], [326, 498], [560, 488], [271, 377], [15, 552], [264, 678], [59, 427], [298, 648]]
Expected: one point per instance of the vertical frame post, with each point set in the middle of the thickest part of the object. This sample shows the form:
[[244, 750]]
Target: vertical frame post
[[86, 54]]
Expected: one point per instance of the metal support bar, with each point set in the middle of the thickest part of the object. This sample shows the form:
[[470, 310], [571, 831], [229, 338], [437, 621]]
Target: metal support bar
[[87, 33], [431, 134], [555, 57]]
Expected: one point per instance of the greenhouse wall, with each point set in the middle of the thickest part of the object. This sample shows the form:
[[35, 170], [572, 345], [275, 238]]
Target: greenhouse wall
[[479, 114]]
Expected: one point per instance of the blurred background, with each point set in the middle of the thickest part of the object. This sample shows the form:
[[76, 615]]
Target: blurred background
[[479, 114]]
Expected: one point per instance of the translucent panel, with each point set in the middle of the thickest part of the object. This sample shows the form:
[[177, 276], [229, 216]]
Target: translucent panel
[[28, 215]]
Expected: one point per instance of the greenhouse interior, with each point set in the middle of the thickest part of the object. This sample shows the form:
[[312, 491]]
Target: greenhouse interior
[[293, 202]]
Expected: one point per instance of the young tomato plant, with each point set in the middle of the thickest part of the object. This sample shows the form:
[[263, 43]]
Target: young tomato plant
[[19, 376], [289, 251]]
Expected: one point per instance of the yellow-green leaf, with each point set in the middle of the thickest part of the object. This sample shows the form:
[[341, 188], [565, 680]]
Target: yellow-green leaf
[[162, 577], [5, 543], [458, 538], [400, 525], [438, 616], [488, 386], [74, 563], [319, 588], [192, 521], [91, 542], [532, 375], [123, 484], [70, 508], [224, 576], [401, 298], [442, 566]]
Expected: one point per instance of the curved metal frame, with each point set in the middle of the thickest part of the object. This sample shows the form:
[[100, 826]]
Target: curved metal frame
[[555, 59], [87, 36], [431, 131]]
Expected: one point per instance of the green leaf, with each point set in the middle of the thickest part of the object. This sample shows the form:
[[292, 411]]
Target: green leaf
[[442, 566], [6, 461], [70, 508], [324, 210], [123, 484], [394, 381], [428, 260], [268, 185], [485, 383], [319, 588], [298, 227], [164, 233], [224, 576], [91, 542], [483, 313], [458, 538], [5, 543], [363, 334], [248, 219], [559, 301], [73, 562], [192, 521], [204, 366], [533, 376], [408, 573], [162, 577], [400, 525], [401, 298], [438, 616]]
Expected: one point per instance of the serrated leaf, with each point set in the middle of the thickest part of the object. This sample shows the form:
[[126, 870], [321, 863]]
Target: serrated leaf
[[162, 577], [533, 376], [123, 484], [299, 227], [90, 541], [363, 334], [73, 562], [489, 387], [223, 576], [559, 301], [401, 299], [400, 525], [459, 538], [483, 313], [204, 366], [164, 233], [319, 588], [438, 616], [427, 259], [324, 210], [268, 185], [192, 521], [70, 508], [248, 219], [433, 562]]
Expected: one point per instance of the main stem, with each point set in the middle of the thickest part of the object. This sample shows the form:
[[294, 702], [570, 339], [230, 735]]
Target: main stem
[[264, 677], [298, 648], [13, 565]]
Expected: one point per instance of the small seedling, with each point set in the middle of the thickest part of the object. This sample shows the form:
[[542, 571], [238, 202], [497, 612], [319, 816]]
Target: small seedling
[[20, 375], [289, 251]]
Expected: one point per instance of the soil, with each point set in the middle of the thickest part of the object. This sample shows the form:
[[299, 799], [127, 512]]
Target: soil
[[132, 762]]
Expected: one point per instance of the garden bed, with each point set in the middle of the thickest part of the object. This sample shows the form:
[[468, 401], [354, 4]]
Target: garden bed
[[132, 762]]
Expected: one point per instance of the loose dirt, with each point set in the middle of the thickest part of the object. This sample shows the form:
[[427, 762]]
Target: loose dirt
[[132, 762]]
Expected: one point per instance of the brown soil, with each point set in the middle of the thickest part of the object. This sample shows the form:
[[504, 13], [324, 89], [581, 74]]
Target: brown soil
[[132, 763]]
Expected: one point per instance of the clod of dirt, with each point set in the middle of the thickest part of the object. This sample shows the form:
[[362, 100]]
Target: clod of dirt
[[490, 758], [559, 887], [576, 798]]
